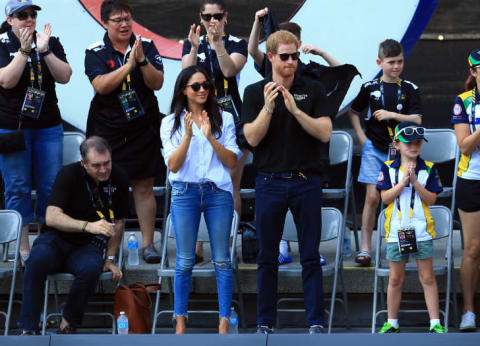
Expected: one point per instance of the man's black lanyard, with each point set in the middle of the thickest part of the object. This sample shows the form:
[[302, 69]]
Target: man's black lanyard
[[92, 198], [39, 71], [412, 197], [399, 101]]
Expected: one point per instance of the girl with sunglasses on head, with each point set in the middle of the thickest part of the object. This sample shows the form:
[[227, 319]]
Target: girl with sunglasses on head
[[467, 191], [31, 63], [223, 56], [199, 149]]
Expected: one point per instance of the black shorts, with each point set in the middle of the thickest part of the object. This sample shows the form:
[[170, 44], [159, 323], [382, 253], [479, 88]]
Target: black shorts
[[467, 195]]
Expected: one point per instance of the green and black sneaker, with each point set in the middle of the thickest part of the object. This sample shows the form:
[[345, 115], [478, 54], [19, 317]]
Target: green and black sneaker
[[437, 329], [388, 328]]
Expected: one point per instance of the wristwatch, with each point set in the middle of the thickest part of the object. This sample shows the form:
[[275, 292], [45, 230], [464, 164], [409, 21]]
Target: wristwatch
[[111, 258], [144, 62]]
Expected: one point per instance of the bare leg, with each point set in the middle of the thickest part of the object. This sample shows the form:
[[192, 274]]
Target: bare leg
[[199, 249], [394, 291], [181, 325], [146, 207], [471, 257], [372, 198], [429, 283], [223, 326], [24, 243]]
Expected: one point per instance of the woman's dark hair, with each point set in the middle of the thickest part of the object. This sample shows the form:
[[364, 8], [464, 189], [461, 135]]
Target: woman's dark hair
[[219, 3], [470, 83], [5, 27], [111, 6], [180, 101]]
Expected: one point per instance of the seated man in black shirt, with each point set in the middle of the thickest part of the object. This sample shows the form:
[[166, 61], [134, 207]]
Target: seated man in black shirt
[[286, 120], [84, 219]]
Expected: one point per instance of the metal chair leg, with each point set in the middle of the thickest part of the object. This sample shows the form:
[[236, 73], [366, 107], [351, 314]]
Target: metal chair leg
[[45, 304], [240, 298]]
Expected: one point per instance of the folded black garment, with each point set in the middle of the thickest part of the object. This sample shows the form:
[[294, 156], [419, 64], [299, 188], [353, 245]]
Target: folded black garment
[[12, 142]]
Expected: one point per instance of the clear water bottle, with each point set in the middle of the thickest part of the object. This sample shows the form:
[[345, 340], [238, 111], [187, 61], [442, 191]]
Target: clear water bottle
[[347, 243], [233, 322], [132, 246], [122, 323]]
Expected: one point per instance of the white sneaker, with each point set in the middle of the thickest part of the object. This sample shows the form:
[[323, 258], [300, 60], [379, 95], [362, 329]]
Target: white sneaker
[[468, 322]]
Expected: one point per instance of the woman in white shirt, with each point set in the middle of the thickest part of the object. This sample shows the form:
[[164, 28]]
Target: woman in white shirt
[[200, 149]]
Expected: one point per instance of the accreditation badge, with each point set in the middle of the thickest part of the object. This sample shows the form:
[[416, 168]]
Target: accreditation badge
[[132, 108], [229, 106], [407, 241], [33, 102]]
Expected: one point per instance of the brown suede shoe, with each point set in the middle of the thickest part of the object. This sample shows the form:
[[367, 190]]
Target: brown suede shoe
[[67, 330]]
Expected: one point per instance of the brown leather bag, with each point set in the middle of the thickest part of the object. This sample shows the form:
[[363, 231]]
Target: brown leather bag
[[135, 301]]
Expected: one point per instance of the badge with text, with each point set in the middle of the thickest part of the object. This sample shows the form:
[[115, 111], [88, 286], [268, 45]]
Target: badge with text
[[132, 108], [392, 152], [407, 241], [229, 106], [33, 102]]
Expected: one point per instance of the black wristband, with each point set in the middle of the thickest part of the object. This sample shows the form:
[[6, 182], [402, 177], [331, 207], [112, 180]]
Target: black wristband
[[43, 54], [143, 63]]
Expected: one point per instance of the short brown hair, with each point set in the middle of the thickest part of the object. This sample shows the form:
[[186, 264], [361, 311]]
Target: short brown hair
[[292, 27], [389, 49], [280, 37]]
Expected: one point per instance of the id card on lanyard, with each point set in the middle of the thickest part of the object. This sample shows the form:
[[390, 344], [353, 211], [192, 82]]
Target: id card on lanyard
[[100, 240], [131, 106], [392, 152], [33, 101], [407, 240]]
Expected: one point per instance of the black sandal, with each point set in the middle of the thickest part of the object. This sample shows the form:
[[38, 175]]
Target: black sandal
[[363, 258]]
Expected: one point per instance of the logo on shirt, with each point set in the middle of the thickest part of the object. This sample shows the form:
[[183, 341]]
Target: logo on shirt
[[158, 59], [457, 109], [111, 63], [376, 94], [300, 97], [380, 177], [201, 56]]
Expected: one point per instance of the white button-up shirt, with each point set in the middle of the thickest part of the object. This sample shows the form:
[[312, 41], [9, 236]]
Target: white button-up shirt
[[201, 164]]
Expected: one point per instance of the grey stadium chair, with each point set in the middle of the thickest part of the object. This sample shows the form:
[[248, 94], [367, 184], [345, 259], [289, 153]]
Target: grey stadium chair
[[443, 228], [10, 231]]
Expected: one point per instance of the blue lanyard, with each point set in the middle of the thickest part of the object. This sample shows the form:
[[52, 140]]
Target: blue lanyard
[[210, 57], [99, 212], [399, 93]]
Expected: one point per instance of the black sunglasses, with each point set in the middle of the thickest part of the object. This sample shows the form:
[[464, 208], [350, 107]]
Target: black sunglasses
[[196, 86], [208, 17], [285, 56], [24, 15]]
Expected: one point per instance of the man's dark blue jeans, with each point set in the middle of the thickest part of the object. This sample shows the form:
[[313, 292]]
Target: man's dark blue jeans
[[51, 254], [275, 193]]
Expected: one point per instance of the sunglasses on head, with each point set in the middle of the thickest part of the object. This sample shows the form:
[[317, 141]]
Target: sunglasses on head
[[408, 131], [196, 86], [208, 17], [285, 56], [24, 15]]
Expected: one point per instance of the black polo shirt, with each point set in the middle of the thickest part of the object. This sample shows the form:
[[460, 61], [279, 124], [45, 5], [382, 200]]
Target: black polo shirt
[[286, 145], [11, 100], [370, 96], [209, 61], [69, 192], [106, 116]]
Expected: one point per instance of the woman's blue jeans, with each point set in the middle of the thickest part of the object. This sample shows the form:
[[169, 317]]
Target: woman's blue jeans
[[189, 200], [36, 166]]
